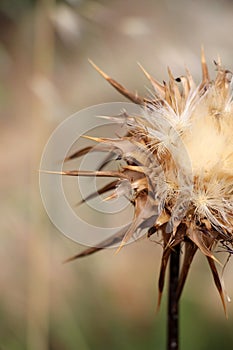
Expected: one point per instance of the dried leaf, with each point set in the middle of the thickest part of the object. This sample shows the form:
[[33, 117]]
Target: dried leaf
[[144, 216], [200, 239], [113, 240], [79, 153], [162, 274], [217, 282], [102, 190], [190, 251]]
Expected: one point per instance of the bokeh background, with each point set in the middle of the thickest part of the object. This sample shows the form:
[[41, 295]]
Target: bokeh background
[[106, 301]]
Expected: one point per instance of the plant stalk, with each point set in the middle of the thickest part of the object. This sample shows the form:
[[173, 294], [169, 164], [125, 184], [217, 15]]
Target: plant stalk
[[173, 304]]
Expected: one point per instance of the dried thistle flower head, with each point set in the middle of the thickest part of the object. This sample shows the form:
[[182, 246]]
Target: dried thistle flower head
[[178, 164]]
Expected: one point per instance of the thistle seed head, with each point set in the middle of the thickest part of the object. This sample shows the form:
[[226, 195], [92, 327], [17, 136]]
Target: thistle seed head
[[177, 166]]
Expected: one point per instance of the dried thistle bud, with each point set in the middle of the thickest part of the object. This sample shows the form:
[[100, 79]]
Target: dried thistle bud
[[178, 167]]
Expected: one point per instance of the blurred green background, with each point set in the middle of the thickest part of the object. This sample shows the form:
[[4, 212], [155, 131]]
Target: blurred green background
[[106, 301]]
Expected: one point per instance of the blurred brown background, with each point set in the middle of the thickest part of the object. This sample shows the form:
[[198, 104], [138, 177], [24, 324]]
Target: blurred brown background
[[107, 301]]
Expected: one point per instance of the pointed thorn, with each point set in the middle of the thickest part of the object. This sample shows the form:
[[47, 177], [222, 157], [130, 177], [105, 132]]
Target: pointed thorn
[[170, 74], [79, 153], [84, 253], [120, 247], [92, 138], [156, 85], [205, 73], [159, 302], [99, 70], [52, 172], [121, 89], [144, 71]]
